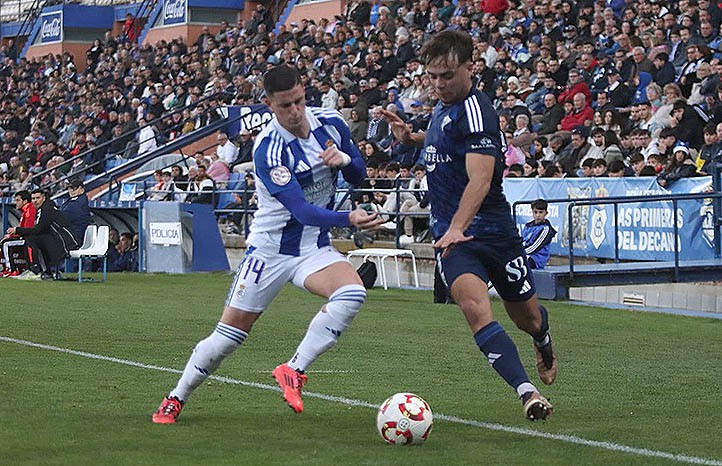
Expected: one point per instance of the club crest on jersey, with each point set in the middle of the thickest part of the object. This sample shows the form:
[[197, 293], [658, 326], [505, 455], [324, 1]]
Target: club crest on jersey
[[280, 175], [432, 157], [445, 122]]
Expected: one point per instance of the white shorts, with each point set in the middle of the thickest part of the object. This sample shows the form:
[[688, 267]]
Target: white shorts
[[260, 276]]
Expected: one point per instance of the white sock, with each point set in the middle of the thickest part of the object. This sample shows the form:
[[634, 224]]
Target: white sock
[[328, 324], [206, 357], [525, 388]]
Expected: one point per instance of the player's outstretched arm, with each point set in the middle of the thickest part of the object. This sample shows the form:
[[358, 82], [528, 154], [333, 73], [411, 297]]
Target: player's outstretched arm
[[402, 132], [310, 214]]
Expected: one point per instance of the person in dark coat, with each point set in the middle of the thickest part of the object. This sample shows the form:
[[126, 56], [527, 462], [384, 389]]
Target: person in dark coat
[[690, 121], [76, 208], [123, 257], [51, 239], [664, 72]]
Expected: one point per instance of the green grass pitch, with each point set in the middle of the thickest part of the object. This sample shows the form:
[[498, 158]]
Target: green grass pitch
[[634, 388]]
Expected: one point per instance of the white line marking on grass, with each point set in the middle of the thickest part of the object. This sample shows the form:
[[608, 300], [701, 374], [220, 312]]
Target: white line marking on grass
[[364, 404]]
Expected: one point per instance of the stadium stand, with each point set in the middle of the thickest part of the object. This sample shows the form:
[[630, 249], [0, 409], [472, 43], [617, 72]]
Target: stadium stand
[[575, 83]]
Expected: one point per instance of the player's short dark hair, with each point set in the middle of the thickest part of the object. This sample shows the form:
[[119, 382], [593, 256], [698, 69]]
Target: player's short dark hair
[[455, 45], [540, 204], [24, 194], [38, 191], [280, 78]]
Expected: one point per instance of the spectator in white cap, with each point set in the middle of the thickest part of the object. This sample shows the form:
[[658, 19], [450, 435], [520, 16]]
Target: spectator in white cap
[[679, 166]]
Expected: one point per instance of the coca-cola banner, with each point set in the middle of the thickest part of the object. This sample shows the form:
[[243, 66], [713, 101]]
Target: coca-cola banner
[[51, 27], [175, 12]]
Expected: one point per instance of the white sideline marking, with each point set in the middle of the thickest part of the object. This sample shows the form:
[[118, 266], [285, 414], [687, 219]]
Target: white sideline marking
[[351, 402]]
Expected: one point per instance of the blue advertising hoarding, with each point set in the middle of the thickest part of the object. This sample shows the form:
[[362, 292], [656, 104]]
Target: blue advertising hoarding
[[51, 27], [645, 230], [175, 12]]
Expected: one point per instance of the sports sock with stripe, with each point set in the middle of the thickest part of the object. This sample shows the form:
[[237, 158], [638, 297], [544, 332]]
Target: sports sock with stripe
[[503, 356], [328, 324], [207, 356]]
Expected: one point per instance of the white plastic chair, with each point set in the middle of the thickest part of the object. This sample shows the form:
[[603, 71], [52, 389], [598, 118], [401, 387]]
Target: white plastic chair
[[93, 249], [88, 239]]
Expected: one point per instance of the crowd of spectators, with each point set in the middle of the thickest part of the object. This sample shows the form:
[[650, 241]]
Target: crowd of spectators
[[582, 88]]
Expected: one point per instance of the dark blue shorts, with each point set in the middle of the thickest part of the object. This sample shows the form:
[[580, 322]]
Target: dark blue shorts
[[503, 264]]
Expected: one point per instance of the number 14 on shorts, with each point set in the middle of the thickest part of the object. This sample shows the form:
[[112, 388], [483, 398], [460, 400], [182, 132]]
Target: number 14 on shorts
[[252, 265]]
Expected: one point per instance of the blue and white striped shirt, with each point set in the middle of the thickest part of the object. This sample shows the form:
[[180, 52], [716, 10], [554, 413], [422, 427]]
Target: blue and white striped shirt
[[284, 162]]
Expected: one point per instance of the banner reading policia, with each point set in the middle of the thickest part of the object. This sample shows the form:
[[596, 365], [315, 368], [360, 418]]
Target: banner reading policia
[[645, 230]]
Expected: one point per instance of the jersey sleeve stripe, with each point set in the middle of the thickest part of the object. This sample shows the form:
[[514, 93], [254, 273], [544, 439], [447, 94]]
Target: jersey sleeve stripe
[[274, 151], [538, 241], [474, 115]]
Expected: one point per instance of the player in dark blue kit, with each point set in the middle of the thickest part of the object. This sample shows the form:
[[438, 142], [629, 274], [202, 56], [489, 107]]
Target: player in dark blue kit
[[475, 237]]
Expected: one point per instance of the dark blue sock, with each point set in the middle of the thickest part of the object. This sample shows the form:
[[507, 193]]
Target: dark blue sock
[[501, 353], [541, 338]]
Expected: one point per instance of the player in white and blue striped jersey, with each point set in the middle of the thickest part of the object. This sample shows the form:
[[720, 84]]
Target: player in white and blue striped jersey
[[476, 240], [297, 158]]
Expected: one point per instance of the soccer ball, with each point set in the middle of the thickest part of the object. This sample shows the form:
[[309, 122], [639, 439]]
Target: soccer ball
[[404, 419]]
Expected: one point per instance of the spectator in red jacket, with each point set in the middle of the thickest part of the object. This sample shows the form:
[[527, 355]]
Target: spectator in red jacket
[[495, 7], [13, 245], [581, 115], [129, 28], [575, 85]]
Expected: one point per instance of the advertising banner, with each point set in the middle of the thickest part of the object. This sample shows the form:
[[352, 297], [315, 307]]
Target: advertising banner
[[644, 230], [175, 12], [51, 27], [252, 118]]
